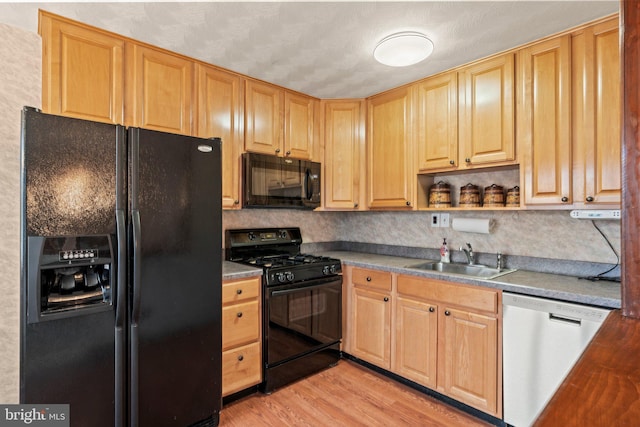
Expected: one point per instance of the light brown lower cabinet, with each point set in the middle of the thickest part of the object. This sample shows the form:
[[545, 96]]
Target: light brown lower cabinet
[[241, 338], [442, 335]]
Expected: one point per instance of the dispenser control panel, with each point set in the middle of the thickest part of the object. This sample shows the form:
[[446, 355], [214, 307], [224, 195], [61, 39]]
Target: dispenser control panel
[[81, 254]]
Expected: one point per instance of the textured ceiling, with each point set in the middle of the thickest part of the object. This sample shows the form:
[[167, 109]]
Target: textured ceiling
[[320, 48]]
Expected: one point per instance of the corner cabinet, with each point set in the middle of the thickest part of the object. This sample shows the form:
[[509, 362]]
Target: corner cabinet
[[391, 164], [219, 114], [241, 336], [159, 89], [344, 155], [83, 71]]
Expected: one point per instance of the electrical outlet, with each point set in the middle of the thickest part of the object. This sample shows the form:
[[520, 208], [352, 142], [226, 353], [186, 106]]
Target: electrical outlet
[[435, 220], [444, 220]]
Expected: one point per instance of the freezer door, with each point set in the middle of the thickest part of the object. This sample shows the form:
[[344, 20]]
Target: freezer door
[[176, 294]]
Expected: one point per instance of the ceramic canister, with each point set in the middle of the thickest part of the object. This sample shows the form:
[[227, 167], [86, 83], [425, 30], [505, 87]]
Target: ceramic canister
[[469, 196], [493, 196], [513, 197], [440, 195]]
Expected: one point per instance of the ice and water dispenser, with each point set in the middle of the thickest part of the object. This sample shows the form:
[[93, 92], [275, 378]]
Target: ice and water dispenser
[[69, 276]]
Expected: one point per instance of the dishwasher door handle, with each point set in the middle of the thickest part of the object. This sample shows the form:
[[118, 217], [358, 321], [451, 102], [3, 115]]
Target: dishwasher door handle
[[565, 319]]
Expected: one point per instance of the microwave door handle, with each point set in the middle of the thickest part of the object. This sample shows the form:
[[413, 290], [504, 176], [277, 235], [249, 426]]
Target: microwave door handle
[[308, 186]]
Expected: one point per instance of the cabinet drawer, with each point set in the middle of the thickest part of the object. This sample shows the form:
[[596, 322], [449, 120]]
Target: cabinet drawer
[[241, 368], [475, 298], [372, 278], [239, 290], [240, 324]]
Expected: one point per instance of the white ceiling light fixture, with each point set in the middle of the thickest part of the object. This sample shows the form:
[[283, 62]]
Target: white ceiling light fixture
[[403, 49]]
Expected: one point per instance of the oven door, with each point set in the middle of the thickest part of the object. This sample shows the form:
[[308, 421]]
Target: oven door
[[301, 318]]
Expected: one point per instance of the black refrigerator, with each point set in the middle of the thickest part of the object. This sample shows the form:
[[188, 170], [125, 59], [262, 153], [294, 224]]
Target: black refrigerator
[[121, 273]]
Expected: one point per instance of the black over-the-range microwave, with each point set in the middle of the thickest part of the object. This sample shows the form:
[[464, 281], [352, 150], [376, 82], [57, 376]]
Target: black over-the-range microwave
[[280, 182]]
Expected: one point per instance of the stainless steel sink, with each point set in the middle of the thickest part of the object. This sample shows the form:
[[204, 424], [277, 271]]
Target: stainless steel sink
[[475, 270]]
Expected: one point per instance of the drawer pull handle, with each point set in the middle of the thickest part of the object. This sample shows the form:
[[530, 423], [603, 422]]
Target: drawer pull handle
[[239, 314], [239, 291], [431, 309], [386, 299], [240, 358], [368, 278], [447, 313]]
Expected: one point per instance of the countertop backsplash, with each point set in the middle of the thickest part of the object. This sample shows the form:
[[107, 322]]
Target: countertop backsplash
[[551, 235]]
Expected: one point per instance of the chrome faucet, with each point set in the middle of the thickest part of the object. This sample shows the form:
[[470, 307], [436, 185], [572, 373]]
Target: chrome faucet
[[469, 253]]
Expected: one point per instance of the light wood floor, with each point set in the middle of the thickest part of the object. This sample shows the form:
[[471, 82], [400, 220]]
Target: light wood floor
[[345, 395]]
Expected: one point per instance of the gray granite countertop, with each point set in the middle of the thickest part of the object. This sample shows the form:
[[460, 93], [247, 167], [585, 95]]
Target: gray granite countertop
[[233, 270], [554, 286]]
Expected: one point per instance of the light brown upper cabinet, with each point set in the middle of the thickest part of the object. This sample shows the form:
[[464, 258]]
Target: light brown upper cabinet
[[219, 113], [159, 88], [343, 154], [277, 121], [83, 74], [544, 121], [437, 123], [486, 105], [596, 115], [391, 167]]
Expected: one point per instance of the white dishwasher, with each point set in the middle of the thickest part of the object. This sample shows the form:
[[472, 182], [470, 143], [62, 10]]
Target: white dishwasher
[[542, 340]]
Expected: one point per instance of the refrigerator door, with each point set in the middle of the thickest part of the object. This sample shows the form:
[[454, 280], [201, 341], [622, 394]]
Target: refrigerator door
[[175, 313], [68, 204]]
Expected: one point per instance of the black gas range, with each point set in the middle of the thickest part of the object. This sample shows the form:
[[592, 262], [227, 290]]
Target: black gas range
[[302, 302], [277, 252]]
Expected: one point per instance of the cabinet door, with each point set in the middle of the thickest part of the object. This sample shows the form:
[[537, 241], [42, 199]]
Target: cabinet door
[[372, 327], [298, 126], [220, 114], [83, 74], [469, 359], [159, 88], [263, 118], [416, 341], [390, 160], [487, 112], [343, 154], [544, 119], [597, 115], [437, 119]]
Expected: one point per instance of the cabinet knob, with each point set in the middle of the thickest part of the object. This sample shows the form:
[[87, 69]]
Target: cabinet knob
[[239, 314], [288, 153], [239, 291], [355, 205], [467, 160], [368, 278], [277, 150], [408, 203], [431, 309], [589, 199], [236, 202], [240, 358], [452, 162], [386, 299], [564, 199], [447, 313]]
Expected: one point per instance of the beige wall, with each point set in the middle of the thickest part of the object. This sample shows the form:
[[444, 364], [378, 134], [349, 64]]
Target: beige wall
[[20, 84]]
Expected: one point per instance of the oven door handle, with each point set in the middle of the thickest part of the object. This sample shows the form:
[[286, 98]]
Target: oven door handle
[[290, 290]]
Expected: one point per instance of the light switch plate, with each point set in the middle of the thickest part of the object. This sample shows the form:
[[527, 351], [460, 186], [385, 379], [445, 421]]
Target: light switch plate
[[444, 220]]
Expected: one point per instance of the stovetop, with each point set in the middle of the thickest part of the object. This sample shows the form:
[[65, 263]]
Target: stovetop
[[277, 252]]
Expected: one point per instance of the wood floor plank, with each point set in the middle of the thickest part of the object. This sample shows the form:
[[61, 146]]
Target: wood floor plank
[[345, 395]]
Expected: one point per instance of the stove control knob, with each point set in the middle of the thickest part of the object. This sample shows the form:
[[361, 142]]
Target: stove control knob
[[325, 270], [281, 277], [252, 235], [334, 269], [290, 276]]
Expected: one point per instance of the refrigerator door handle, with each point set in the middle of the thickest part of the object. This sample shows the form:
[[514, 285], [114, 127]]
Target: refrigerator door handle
[[121, 313], [135, 318]]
